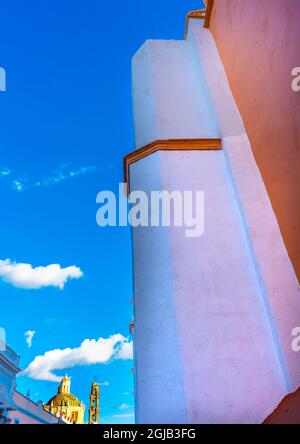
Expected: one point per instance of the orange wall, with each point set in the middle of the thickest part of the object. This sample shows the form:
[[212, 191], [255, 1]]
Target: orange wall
[[259, 43], [288, 411]]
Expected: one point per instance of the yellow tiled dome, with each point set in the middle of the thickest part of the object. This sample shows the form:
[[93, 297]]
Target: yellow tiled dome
[[63, 399]]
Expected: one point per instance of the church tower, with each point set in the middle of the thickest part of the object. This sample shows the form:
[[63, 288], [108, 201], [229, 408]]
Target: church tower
[[65, 385], [94, 410]]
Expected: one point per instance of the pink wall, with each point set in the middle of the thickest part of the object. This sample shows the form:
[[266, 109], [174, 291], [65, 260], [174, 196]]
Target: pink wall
[[259, 44]]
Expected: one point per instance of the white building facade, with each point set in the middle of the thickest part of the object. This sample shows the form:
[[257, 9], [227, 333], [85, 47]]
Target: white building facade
[[214, 315], [16, 408]]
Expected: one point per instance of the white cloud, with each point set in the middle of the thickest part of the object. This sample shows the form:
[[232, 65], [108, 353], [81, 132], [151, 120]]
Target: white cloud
[[21, 183], [126, 351], [4, 172], [124, 407], [18, 185], [29, 336], [63, 173], [124, 415], [55, 177], [104, 384], [27, 277], [91, 351]]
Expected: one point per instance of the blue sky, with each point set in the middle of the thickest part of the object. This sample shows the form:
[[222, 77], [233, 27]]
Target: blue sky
[[65, 125]]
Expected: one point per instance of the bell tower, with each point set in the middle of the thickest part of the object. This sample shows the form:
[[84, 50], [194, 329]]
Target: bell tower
[[94, 410], [65, 385]]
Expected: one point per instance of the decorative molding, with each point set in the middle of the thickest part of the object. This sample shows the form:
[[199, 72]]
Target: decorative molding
[[203, 14], [197, 14], [168, 145], [209, 8], [9, 364]]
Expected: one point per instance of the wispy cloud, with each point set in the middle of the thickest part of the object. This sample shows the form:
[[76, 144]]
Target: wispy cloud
[[62, 174], [29, 337], [124, 407], [27, 277], [104, 384], [55, 177], [91, 351], [124, 415], [4, 172], [18, 185]]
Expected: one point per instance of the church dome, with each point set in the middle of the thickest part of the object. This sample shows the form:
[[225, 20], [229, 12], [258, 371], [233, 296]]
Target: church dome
[[63, 399]]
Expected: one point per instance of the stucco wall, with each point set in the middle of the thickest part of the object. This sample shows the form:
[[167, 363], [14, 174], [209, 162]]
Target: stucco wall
[[170, 100], [203, 341], [259, 45], [213, 315]]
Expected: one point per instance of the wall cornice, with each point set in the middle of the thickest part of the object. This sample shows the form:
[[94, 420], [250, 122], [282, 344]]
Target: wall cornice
[[168, 145], [203, 14]]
